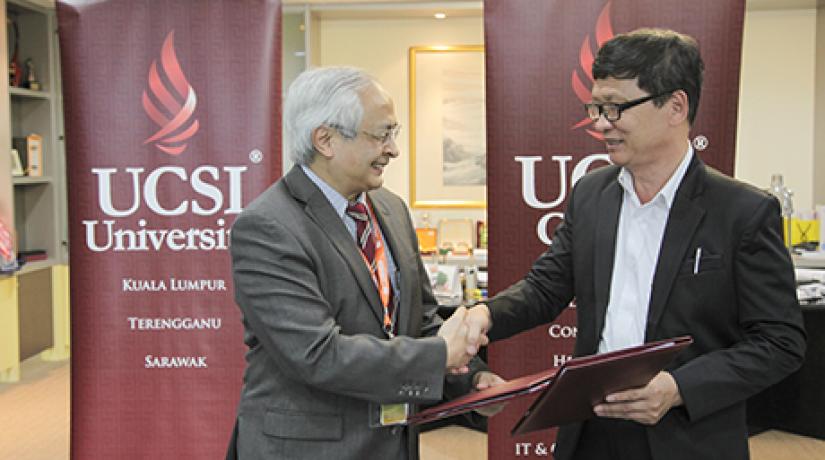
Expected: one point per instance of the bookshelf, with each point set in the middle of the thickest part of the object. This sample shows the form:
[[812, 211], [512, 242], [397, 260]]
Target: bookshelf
[[35, 309]]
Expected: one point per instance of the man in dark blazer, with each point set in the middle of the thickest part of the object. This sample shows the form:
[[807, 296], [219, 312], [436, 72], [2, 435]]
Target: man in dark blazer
[[343, 335], [660, 245]]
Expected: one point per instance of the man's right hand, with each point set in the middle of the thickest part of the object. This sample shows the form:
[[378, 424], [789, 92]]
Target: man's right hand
[[478, 322]]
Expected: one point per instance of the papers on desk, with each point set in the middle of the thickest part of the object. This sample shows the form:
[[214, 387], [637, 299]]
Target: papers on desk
[[446, 283], [809, 259], [810, 285], [809, 275]]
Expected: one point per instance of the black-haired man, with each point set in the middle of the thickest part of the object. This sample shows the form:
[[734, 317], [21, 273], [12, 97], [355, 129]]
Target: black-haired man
[[659, 245]]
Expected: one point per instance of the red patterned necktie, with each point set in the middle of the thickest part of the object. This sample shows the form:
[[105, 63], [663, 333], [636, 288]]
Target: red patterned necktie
[[363, 231], [6, 246], [365, 237]]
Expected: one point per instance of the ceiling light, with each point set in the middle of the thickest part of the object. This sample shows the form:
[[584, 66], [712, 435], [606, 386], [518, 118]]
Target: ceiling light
[[440, 15]]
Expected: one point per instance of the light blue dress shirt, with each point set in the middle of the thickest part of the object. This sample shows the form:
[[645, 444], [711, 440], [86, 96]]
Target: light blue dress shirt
[[339, 204]]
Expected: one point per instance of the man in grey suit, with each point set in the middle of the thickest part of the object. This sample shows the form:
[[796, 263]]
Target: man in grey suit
[[339, 316]]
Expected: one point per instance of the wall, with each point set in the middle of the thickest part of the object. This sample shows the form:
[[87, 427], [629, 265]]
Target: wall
[[43, 3], [776, 105], [380, 46], [292, 41], [819, 116], [777, 96], [6, 200]]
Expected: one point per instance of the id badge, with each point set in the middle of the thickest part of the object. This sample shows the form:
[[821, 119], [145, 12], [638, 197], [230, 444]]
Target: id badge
[[388, 414]]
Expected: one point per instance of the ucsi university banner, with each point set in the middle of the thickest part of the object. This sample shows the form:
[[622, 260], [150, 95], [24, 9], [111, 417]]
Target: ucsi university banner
[[172, 113], [538, 58]]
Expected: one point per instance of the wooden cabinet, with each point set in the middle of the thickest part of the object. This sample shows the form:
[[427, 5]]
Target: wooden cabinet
[[32, 109], [39, 200]]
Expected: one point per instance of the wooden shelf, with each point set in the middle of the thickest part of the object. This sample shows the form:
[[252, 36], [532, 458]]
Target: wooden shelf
[[27, 93], [26, 180], [35, 266]]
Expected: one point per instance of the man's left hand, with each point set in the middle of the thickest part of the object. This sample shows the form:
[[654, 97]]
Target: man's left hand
[[646, 405], [482, 381]]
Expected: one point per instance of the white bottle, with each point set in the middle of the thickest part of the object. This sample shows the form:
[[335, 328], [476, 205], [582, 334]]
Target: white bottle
[[785, 197]]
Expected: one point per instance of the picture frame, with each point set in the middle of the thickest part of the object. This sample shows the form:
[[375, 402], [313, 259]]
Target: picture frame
[[16, 164], [448, 151]]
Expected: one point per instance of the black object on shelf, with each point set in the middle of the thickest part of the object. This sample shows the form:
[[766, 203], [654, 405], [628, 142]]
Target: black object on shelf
[[31, 255]]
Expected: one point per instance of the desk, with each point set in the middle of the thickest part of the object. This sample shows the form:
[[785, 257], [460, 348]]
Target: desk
[[797, 404]]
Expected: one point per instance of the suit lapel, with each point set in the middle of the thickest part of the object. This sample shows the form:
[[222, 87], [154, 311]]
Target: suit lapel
[[610, 204], [684, 219], [392, 232], [320, 211]]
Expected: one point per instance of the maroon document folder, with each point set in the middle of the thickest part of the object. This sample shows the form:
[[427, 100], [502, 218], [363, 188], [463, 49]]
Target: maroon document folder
[[569, 393], [583, 382], [522, 386]]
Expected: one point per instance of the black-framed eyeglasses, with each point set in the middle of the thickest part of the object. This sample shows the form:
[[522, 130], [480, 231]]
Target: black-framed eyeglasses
[[385, 137], [613, 112]]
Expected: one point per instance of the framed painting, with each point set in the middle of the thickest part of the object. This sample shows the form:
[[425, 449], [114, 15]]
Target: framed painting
[[448, 139]]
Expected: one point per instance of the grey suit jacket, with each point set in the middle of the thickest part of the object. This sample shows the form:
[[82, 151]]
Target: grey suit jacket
[[740, 308], [318, 359]]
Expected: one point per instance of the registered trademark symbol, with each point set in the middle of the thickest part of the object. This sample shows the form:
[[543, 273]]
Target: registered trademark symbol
[[700, 143], [256, 156]]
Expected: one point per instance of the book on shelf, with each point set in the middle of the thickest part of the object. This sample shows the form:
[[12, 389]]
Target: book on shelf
[[30, 150], [32, 255]]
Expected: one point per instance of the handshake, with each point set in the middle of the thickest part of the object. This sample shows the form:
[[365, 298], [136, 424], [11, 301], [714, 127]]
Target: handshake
[[465, 333]]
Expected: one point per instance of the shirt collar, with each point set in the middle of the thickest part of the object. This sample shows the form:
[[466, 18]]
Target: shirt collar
[[668, 192], [339, 202]]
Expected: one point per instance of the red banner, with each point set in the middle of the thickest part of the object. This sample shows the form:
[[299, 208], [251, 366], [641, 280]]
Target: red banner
[[172, 116], [538, 58]]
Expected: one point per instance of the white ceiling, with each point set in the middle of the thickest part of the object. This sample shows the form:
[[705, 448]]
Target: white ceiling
[[373, 9], [751, 4], [444, 4], [783, 4], [360, 2], [347, 9]]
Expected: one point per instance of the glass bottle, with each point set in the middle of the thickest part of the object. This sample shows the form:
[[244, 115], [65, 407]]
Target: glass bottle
[[427, 241]]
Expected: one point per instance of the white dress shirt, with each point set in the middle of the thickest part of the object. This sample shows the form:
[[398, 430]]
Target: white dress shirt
[[638, 241]]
